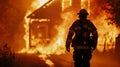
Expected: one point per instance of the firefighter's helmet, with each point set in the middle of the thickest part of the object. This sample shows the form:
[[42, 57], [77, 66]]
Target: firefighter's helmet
[[83, 12]]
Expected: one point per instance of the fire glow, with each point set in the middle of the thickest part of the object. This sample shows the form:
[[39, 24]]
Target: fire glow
[[56, 46]]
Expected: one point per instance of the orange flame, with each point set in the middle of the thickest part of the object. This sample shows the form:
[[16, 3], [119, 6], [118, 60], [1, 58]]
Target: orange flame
[[107, 33], [85, 4], [35, 5], [57, 45], [66, 4]]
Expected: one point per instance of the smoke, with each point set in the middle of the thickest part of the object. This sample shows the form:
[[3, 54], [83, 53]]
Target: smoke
[[12, 14]]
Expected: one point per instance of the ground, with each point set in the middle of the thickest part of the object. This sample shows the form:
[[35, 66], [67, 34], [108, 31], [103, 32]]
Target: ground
[[65, 60]]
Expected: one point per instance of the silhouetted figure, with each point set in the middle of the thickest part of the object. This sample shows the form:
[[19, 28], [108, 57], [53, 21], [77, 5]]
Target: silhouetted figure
[[84, 40]]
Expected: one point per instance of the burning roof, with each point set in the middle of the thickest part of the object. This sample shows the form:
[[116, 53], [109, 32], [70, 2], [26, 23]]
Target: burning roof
[[48, 10]]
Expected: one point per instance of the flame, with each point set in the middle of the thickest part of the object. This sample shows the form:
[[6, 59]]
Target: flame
[[66, 4], [107, 36], [36, 4], [85, 4], [107, 33], [56, 46]]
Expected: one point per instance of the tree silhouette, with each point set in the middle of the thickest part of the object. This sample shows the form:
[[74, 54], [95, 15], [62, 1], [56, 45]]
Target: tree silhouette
[[113, 7]]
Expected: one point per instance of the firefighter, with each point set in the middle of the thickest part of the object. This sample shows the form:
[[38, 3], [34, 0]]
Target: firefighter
[[83, 38]]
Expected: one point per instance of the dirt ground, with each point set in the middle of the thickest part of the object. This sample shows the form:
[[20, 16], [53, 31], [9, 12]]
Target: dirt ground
[[65, 60]]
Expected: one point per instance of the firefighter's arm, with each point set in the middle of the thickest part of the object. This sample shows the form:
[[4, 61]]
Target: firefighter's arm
[[69, 40], [95, 38]]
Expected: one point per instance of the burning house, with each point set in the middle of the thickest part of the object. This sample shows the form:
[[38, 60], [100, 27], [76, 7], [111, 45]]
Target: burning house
[[46, 24], [43, 20], [46, 27]]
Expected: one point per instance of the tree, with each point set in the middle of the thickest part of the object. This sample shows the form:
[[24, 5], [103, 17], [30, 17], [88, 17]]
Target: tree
[[113, 8]]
